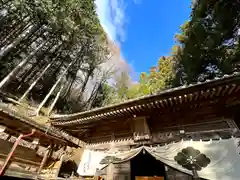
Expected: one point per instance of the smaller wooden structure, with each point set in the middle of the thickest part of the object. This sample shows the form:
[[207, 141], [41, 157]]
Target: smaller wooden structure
[[31, 150]]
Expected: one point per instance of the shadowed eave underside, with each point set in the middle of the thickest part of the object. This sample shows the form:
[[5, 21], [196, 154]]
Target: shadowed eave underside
[[228, 84]]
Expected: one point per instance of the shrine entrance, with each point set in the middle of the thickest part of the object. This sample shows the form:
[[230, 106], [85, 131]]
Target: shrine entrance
[[146, 167]]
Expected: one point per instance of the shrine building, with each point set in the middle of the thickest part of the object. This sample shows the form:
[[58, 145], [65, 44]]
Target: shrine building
[[181, 133]]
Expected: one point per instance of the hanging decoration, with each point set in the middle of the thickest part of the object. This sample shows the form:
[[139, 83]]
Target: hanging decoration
[[215, 160], [191, 158]]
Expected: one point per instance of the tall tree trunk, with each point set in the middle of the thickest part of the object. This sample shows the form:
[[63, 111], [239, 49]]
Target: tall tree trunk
[[68, 91], [35, 82], [19, 66], [53, 87], [69, 86], [55, 100], [5, 50], [30, 72], [84, 84], [40, 64], [92, 96], [13, 32], [86, 79], [24, 46], [59, 80]]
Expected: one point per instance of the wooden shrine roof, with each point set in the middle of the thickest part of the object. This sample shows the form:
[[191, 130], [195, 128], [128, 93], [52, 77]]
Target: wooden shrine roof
[[205, 107], [18, 123], [170, 98]]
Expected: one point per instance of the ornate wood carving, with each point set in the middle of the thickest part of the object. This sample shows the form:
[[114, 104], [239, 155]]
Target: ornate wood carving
[[141, 130], [4, 135], [141, 136]]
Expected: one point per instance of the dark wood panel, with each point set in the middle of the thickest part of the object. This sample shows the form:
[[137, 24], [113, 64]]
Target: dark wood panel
[[21, 152], [122, 171], [173, 174]]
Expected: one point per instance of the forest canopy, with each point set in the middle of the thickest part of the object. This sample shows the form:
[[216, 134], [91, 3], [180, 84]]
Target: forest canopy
[[207, 46], [51, 53]]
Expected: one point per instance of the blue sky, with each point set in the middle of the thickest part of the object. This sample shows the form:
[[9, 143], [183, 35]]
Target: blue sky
[[144, 29]]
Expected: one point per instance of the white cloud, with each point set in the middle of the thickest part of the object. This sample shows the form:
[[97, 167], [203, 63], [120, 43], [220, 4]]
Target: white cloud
[[112, 17], [137, 1]]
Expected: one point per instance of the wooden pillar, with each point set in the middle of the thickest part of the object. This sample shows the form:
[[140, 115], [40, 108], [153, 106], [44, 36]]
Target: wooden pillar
[[45, 157], [235, 113], [6, 162], [110, 171], [120, 171], [59, 165]]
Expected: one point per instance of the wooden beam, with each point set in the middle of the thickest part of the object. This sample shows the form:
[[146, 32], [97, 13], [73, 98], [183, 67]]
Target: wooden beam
[[20, 153]]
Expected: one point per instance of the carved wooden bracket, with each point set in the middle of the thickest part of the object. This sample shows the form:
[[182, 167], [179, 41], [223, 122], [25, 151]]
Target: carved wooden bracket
[[141, 136], [140, 129]]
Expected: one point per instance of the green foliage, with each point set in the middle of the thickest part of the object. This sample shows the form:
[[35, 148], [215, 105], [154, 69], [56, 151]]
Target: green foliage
[[206, 46], [121, 85], [209, 41], [159, 78], [105, 96], [134, 91], [63, 32], [69, 31]]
